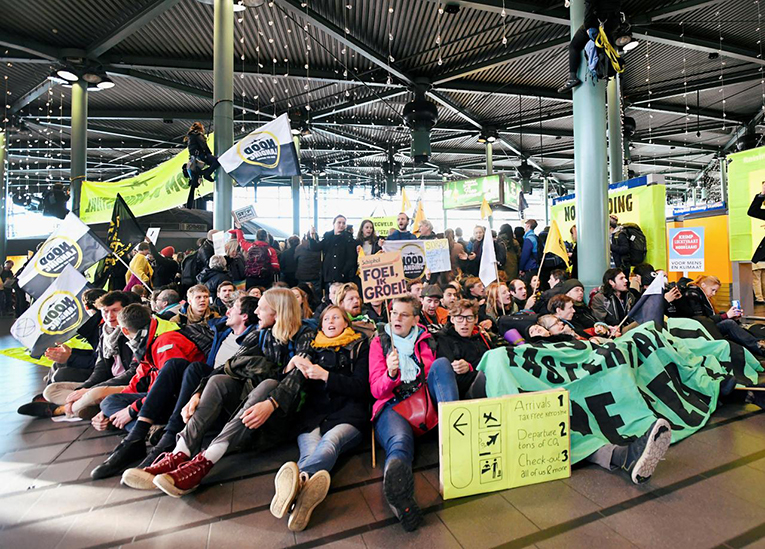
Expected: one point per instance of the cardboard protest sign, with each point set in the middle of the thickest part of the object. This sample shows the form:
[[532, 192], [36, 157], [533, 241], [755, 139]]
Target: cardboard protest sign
[[382, 276], [494, 444], [686, 249], [55, 316], [219, 242], [152, 233], [437, 255], [412, 255], [245, 214]]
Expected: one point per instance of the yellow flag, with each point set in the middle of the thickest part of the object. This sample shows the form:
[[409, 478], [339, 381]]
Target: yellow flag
[[419, 217], [485, 209], [554, 244], [405, 204]]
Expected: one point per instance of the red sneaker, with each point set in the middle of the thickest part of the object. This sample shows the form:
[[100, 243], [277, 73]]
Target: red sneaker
[[143, 478], [185, 478]]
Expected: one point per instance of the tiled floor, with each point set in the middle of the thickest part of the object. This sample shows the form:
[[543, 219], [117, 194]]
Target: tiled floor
[[707, 493]]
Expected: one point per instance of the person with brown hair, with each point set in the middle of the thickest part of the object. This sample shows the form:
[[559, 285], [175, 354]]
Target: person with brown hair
[[302, 298], [332, 419]]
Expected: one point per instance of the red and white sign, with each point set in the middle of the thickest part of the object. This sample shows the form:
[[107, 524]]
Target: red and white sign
[[686, 249], [686, 242]]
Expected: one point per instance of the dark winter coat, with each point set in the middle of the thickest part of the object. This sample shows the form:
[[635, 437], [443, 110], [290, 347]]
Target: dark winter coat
[[235, 266], [197, 144], [307, 263], [339, 256], [695, 303], [610, 309], [212, 278], [756, 211]]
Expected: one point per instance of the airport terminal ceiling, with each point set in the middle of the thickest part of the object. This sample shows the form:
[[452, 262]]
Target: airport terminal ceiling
[[693, 88]]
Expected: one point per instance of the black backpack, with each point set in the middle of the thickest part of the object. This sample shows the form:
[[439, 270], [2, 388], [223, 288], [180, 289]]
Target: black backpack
[[638, 245], [258, 263]]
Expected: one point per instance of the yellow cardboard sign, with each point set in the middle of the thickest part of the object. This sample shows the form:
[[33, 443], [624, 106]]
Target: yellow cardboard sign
[[494, 444], [384, 225]]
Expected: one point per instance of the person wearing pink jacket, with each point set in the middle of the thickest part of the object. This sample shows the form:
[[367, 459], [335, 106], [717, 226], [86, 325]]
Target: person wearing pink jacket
[[400, 359]]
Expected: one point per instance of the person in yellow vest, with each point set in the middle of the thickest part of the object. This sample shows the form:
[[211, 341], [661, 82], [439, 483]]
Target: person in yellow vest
[[140, 264]]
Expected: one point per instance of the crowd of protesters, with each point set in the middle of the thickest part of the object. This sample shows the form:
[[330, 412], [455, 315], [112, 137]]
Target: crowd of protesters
[[200, 355]]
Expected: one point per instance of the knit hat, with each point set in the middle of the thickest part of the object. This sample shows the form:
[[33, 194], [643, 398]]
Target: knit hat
[[169, 251], [570, 284]]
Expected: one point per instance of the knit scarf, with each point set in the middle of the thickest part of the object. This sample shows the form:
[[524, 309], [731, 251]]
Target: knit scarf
[[138, 345], [109, 338], [405, 347], [324, 342]]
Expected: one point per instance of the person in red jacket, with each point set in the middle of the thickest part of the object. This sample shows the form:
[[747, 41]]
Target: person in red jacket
[[260, 259], [400, 357], [154, 342]]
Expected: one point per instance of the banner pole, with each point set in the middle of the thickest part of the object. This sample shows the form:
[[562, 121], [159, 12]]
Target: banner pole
[[496, 270], [539, 272], [131, 270]]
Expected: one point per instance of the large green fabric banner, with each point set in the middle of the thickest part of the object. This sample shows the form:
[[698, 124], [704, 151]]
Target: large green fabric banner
[[619, 389]]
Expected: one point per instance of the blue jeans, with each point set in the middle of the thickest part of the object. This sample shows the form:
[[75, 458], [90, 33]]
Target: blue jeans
[[192, 376], [320, 453], [733, 331], [442, 381], [164, 391], [394, 434], [119, 401]]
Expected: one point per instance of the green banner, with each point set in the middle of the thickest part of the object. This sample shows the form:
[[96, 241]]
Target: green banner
[[746, 174], [512, 193], [632, 201], [467, 193], [619, 389], [157, 190]]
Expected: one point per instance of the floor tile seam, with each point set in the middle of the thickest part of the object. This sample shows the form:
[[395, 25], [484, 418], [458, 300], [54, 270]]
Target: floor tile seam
[[40, 446], [745, 538]]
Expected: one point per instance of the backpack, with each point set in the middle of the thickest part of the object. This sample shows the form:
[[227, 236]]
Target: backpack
[[190, 269], [603, 61], [258, 263], [638, 245]]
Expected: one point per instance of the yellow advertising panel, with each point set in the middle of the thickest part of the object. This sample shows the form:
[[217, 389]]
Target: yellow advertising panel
[[639, 201], [157, 190], [493, 444], [746, 174], [383, 225]]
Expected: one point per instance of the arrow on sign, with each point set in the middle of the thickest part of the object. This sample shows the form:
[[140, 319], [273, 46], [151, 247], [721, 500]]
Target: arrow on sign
[[492, 439], [457, 425]]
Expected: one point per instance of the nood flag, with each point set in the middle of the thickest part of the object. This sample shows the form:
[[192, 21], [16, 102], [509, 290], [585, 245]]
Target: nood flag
[[267, 151], [73, 244], [55, 316], [619, 389], [123, 235]]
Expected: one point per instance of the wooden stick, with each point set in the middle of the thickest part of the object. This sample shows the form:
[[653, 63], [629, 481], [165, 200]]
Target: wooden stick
[[496, 270], [374, 453], [745, 388], [131, 270]]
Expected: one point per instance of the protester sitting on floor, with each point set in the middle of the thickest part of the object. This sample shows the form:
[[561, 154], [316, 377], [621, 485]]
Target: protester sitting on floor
[[225, 298], [155, 343], [473, 288], [452, 292], [283, 342], [434, 317], [415, 288], [333, 417], [557, 327], [583, 319], [499, 301], [375, 311], [614, 300], [111, 372], [697, 303], [256, 292], [400, 358], [302, 298], [144, 297], [232, 337], [348, 299], [563, 308], [167, 304], [197, 308], [460, 346], [215, 274], [520, 295], [329, 299]]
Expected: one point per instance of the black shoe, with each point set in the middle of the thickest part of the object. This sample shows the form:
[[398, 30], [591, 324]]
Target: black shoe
[[209, 177], [757, 398], [570, 84], [38, 409], [126, 453], [153, 454], [398, 486], [185, 171], [645, 453]]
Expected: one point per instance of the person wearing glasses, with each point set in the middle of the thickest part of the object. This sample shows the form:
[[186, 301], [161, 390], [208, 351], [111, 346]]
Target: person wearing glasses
[[460, 346]]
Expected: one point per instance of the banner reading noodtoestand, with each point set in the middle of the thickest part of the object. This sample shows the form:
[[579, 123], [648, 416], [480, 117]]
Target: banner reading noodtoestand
[[156, 190]]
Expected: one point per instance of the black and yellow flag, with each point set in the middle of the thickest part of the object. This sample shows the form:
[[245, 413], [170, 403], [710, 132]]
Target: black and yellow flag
[[123, 235]]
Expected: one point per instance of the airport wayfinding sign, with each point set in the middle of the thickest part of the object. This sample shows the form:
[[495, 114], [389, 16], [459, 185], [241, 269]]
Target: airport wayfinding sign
[[494, 444]]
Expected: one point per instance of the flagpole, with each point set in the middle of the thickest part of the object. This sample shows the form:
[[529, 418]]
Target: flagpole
[[496, 270], [131, 270]]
